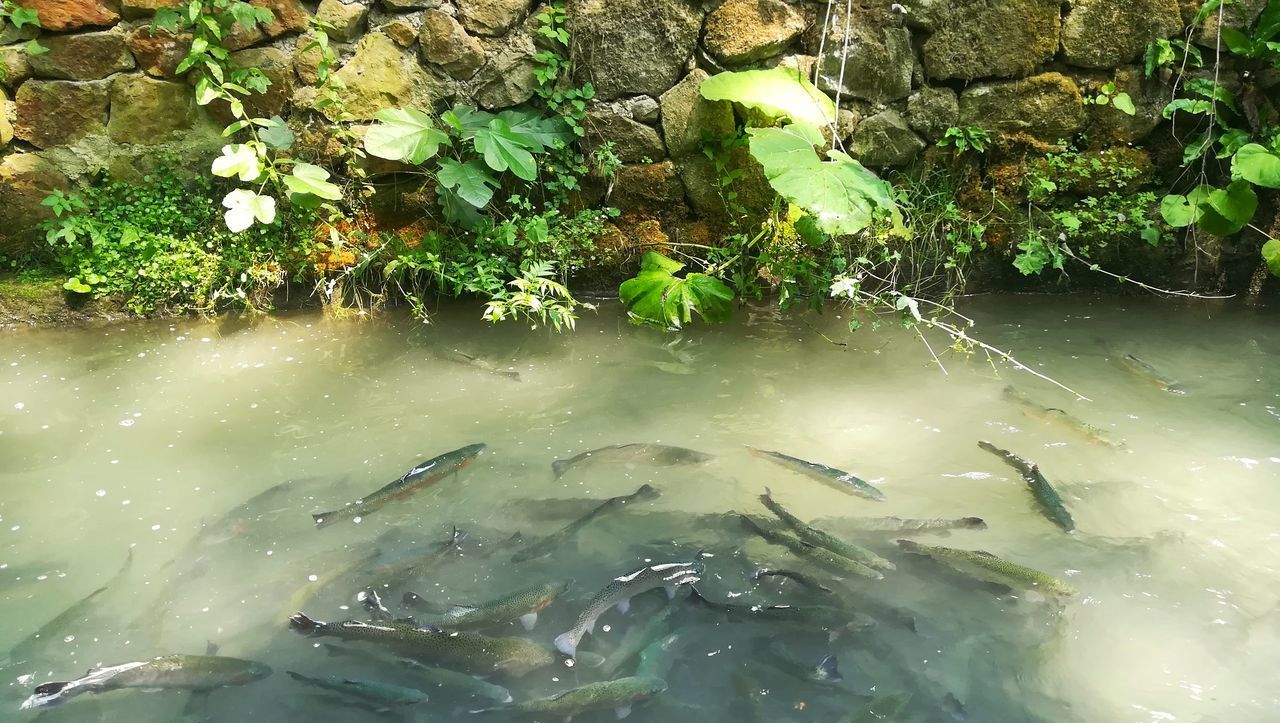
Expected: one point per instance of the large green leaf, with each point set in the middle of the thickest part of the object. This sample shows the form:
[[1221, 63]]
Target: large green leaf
[[504, 150], [776, 92], [657, 296], [275, 133], [1271, 254], [841, 195], [466, 120], [538, 131], [1256, 164], [472, 180], [404, 134], [1268, 25], [1236, 204], [307, 183], [457, 211]]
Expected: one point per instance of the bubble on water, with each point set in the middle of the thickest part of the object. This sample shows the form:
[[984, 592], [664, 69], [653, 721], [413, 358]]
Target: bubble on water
[[155, 528], [126, 422], [125, 502], [115, 461], [19, 405], [69, 638], [312, 578], [606, 628], [569, 662], [204, 610], [15, 528], [357, 520], [269, 552], [206, 339]]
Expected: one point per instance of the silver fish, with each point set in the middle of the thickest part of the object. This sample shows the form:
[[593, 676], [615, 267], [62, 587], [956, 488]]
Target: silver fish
[[619, 592]]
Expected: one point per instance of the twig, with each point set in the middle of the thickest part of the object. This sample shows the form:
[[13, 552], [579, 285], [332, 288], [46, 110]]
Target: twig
[[1125, 279]]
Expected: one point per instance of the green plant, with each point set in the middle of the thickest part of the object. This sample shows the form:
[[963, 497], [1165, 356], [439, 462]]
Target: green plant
[[1108, 95], [1167, 53], [161, 247], [536, 297], [657, 296], [19, 17], [965, 139], [1241, 126]]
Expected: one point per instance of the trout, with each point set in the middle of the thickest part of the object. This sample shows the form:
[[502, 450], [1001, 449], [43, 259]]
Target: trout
[[1050, 503], [830, 476], [985, 566], [381, 697], [669, 575], [618, 695], [814, 536], [820, 555], [1148, 373], [661, 455], [173, 672], [523, 605], [548, 544], [423, 475]]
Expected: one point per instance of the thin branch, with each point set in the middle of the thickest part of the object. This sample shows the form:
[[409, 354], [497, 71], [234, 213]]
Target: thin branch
[[1125, 279]]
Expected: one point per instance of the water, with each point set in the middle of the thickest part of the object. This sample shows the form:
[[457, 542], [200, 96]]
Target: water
[[133, 437]]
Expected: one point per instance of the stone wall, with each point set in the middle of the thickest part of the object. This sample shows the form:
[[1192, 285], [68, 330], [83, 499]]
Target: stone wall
[[105, 96]]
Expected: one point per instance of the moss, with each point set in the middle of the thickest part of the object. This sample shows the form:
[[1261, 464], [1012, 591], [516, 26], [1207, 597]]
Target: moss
[[36, 297]]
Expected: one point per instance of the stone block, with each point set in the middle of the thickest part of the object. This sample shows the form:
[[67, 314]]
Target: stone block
[[59, 112]]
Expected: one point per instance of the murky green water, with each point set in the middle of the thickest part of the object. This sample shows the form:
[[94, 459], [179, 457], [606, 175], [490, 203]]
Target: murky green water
[[141, 437]]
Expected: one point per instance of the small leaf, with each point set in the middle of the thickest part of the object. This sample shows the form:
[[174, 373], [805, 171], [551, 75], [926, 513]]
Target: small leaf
[[74, 284], [1151, 235], [1178, 212], [33, 47], [244, 206], [1271, 254], [404, 134], [1124, 104]]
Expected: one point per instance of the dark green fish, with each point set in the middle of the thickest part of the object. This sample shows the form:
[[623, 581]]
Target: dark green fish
[[985, 566], [427, 473], [883, 708], [748, 703], [814, 536], [827, 669], [429, 677], [1061, 418], [523, 605], [173, 672], [799, 548], [639, 637], [618, 695], [899, 524], [471, 651], [658, 656], [1148, 373], [475, 362], [830, 476], [548, 544], [378, 696], [669, 575], [835, 621], [801, 578], [407, 566], [1050, 503], [661, 455], [55, 630]]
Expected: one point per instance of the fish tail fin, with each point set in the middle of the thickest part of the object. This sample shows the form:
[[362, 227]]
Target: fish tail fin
[[51, 688], [974, 523], [47, 694], [567, 642], [768, 494], [303, 624], [828, 669], [319, 517], [558, 467]]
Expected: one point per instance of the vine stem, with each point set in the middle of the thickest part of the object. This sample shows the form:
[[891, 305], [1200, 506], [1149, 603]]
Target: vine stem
[[1124, 279]]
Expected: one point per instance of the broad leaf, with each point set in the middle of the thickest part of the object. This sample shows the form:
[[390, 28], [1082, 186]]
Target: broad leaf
[[472, 180], [503, 150], [466, 120], [539, 132], [777, 92], [657, 296], [1124, 103], [1268, 22], [841, 195], [275, 133], [1236, 204], [244, 206], [404, 134], [1271, 254], [308, 180], [1255, 164], [238, 159], [457, 211]]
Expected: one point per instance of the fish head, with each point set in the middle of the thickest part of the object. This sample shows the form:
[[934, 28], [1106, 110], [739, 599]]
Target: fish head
[[469, 452], [251, 671]]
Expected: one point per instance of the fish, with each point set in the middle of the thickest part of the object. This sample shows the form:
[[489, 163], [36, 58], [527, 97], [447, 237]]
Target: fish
[[830, 476], [29, 647], [820, 555], [801, 578], [424, 474], [658, 656], [1061, 418], [171, 672], [331, 570], [471, 651], [661, 455], [884, 708], [814, 536], [619, 694], [638, 637], [826, 671], [986, 566], [899, 524], [748, 704], [669, 575], [381, 697], [548, 544], [1050, 503], [523, 605], [430, 677], [475, 362], [834, 620], [1145, 371]]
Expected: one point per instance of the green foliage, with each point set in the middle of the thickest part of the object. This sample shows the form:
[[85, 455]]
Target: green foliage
[[657, 296], [776, 93], [965, 139], [842, 196], [1165, 53], [161, 247], [537, 298], [1107, 95], [19, 17], [479, 147], [1271, 255]]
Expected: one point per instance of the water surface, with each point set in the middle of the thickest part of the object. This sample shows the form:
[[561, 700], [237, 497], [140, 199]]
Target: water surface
[[135, 437]]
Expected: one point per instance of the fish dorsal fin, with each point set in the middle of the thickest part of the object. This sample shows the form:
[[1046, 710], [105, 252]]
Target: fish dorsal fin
[[984, 553]]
